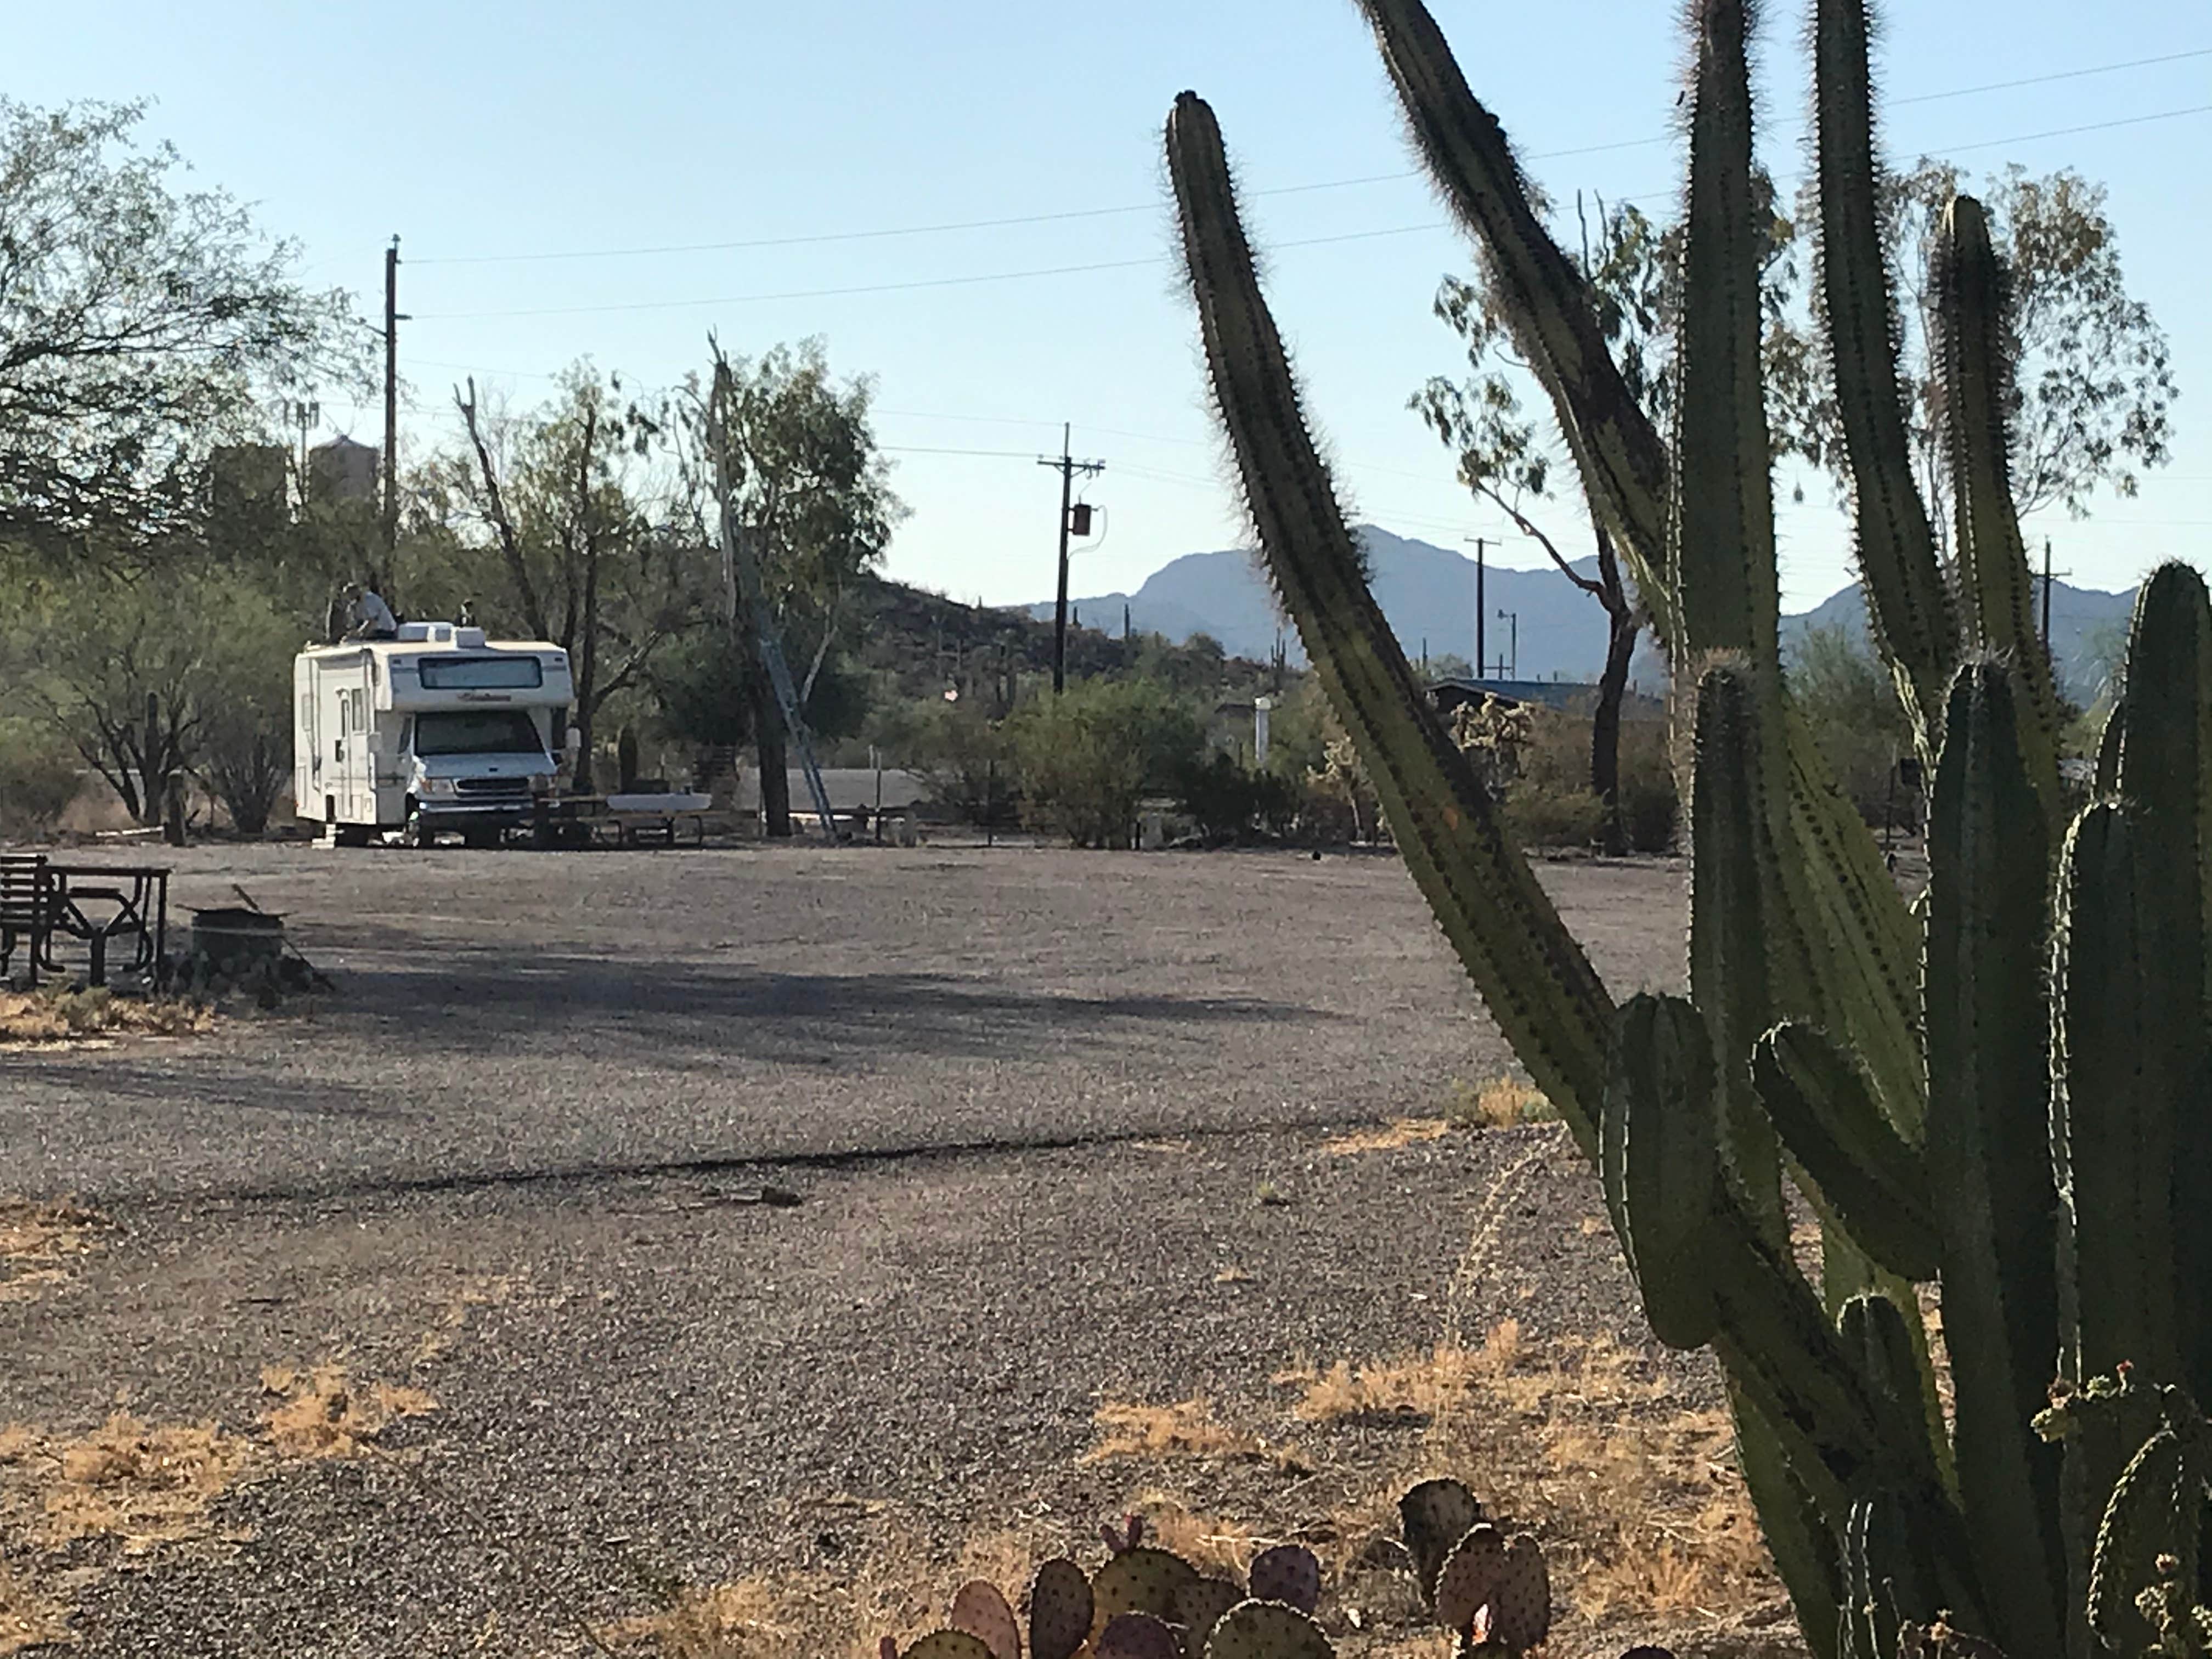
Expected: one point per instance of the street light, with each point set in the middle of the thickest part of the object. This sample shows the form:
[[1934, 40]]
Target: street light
[[1514, 618]]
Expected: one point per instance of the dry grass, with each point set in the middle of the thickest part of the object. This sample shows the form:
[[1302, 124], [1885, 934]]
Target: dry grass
[[1635, 1495], [142, 1485], [1503, 1103], [743, 1620], [147, 1487], [1405, 1131], [43, 1018], [1426, 1386], [38, 1242], [29, 1617], [322, 1413], [1148, 1433]]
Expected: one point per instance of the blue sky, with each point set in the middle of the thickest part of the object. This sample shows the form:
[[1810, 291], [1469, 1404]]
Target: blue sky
[[498, 128]]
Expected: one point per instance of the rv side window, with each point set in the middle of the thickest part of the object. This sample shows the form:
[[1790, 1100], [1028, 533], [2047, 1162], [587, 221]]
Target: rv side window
[[345, 715]]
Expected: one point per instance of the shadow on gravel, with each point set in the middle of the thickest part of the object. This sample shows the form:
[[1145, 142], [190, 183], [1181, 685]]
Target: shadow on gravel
[[467, 1001], [168, 1087]]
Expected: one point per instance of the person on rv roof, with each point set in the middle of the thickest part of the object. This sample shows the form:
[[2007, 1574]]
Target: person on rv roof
[[371, 618], [468, 616]]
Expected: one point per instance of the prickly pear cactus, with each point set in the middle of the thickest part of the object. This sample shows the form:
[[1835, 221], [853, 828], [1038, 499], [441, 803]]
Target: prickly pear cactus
[[1267, 1630], [1136, 1636], [2002, 1090], [980, 1610], [1061, 1610], [1199, 1606], [1288, 1573], [1142, 1580], [1436, 1514], [948, 1644]]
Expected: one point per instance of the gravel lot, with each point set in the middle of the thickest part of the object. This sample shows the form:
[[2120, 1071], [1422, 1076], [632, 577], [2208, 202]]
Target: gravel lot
[[1029, 1101]]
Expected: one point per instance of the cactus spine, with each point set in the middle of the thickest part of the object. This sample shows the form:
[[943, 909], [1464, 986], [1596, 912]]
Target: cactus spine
[[2012, 1096]]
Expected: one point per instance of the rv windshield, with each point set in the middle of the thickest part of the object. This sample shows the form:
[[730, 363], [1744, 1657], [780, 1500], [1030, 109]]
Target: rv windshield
[[478, 731]]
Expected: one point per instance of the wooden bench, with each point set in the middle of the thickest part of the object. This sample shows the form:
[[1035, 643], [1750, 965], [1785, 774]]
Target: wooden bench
[[27, 910]]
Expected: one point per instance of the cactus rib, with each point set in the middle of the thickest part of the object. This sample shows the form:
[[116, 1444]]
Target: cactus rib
[[1987, 1142], [1534, 977], [1875, 1182], [2162, 729], [1973, 322], [1547, 305], [2129, 1035], [1907, 602], [1721, 511], [1738, 929]]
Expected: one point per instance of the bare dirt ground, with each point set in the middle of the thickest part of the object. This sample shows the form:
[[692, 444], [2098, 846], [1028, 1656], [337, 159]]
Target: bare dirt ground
[[442, 1314]]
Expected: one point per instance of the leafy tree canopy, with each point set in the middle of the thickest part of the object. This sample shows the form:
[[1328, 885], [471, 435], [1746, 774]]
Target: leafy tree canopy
[[140, 324]]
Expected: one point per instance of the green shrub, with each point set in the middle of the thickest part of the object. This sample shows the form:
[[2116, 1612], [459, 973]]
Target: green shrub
[[1650, 807], [1545, 815], [39, 777], [1085, 759]]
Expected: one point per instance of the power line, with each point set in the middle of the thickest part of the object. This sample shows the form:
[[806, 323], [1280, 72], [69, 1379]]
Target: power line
[[1065, 215], [1157, 261], [894, 287], [925, 449]]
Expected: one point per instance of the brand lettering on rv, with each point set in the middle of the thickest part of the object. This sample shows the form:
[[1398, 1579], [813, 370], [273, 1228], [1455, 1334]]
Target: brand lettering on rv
[[485, 696]]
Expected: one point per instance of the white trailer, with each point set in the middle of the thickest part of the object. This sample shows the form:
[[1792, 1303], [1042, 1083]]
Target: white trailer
[[435, 730]]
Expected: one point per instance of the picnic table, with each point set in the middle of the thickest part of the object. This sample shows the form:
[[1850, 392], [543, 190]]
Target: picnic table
[[41, 900]]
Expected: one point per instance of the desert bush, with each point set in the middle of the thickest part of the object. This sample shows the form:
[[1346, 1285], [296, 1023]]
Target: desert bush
[[1850, 704], [959, 751], [1083, 760], [1228, 800], [1548, 802]]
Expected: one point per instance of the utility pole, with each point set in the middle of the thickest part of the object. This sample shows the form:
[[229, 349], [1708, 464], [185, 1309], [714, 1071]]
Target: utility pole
[[741, 576], [1481, 609], [2048, 574], [391, 321], [1068, 467], [305, 413]]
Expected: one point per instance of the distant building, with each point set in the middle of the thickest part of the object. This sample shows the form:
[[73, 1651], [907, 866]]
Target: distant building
[[342, 471]]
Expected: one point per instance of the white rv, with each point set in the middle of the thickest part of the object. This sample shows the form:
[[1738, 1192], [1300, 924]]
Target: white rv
[[433, 729]]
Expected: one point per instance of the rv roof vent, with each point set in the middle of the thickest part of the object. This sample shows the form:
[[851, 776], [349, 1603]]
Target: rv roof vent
[[468, 638], [414, 632]]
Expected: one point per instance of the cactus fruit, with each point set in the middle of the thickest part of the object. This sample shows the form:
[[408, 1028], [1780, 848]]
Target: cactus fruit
[[1124, 1538], [1199, 1606], [1061, 1610], [980, 1609], [1266, 1629], [1288, 1573], [2004, 1091], [1136, 1636], [1140, 1580]]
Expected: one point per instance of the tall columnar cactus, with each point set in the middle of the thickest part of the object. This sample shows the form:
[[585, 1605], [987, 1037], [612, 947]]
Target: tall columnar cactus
[[2004, 1092]]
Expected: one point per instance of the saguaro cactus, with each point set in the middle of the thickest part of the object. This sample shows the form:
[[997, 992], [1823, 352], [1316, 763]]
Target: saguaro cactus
[[2005, 1092]]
